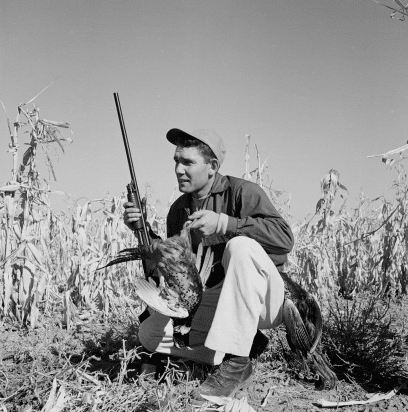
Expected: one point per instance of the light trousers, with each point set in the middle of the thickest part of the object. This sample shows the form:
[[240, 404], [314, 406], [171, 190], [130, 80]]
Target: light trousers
[[249, 298]]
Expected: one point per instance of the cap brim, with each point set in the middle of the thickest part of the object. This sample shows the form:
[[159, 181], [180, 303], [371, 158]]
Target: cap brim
[[175, 135]]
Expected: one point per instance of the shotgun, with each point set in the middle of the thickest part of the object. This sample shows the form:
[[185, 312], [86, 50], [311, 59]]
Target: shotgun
[[139, 227]]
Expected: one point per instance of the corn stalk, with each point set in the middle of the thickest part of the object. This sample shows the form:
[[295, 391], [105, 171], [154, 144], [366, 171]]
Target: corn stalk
[[354, 252], [25, 214]]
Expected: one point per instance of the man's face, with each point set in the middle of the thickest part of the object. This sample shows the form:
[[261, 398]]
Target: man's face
[[193, 174]]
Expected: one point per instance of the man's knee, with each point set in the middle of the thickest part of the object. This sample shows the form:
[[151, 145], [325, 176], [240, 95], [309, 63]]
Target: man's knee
[[145, 336], [241, 247], [156, 331], [241, 244]]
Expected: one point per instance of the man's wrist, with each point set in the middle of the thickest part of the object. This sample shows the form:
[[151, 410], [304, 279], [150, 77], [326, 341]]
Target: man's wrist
[[232, 227], [222, 224], [227, 226]]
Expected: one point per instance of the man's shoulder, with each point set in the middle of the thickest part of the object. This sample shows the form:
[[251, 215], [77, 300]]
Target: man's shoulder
[[222, 182], [180, 203], [237, 182]]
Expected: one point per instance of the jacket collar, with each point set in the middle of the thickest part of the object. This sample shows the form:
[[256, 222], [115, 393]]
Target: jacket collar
[[221, 184]]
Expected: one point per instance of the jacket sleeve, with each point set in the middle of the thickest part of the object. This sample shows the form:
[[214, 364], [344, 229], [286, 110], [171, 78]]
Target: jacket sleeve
[[170, 226], [175, 218], [259, 220]]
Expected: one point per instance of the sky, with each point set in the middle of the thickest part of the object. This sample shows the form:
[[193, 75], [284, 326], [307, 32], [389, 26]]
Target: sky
[[318, 84]]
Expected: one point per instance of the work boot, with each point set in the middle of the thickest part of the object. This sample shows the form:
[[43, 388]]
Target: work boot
[[233, 374]]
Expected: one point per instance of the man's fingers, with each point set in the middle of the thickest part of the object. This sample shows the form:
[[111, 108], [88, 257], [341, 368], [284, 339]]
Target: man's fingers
[[131, 210], [133, 214], [133, 217], [198, 214], [197, 224]]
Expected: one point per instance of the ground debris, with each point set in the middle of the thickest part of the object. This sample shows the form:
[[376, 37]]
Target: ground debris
[[95, 368], [373, 399]]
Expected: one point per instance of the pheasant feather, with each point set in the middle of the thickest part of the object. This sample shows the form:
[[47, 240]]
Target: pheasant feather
[[180, 290], [304, 324]]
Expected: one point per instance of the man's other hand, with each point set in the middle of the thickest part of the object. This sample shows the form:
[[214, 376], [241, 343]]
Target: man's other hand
[[205, 222], [132, 214]]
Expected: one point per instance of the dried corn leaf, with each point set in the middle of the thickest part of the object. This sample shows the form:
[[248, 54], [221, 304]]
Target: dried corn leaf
[[43, 90], [92, 397], [87, 377], [38, 260], [56, 401], [39, 291], [229, 404], [25, 281], [36, 216], [10, 202], [27, 158], [247, 175], [401, 13], [15, 254], [53, 123], [386, 156], [8, 285], [51, 397], [10, 188], [60, 402], [375, 398], [69, 311]]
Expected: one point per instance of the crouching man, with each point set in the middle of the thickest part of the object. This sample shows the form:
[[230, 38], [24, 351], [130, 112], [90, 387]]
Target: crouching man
[[244, 291]]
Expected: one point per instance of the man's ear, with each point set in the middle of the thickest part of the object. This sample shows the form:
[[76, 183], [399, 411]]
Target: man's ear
[[214, 166]]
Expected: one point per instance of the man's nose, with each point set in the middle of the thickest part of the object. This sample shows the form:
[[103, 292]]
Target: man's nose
[[179, 169]]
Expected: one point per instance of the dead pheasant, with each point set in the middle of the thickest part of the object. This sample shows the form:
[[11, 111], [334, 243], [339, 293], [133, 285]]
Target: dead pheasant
[[303, 321], [180, 287]]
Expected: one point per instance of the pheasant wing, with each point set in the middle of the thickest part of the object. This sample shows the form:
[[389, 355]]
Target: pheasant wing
[[151, 296], [308, 308]]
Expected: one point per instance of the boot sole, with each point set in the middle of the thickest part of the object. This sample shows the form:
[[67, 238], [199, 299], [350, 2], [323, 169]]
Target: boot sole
[[198, 403], [242, 386]]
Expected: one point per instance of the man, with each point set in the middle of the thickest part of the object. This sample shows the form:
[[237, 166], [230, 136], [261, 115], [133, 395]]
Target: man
[[244, 291]]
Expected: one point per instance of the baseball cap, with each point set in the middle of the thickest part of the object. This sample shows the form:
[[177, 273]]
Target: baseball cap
[[209, 137]]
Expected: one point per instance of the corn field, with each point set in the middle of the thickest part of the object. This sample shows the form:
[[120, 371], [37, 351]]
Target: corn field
[[347, 251], [48, 262], [359, 251]]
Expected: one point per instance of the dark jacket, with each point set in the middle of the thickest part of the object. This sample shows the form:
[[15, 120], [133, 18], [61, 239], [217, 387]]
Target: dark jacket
[[250, 213]]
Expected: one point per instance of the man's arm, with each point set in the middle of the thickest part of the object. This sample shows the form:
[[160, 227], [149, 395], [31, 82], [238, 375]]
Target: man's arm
[[132, 214], [259, 220]]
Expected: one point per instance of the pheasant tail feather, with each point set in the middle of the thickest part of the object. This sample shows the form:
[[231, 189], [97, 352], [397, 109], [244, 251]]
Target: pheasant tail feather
[[127, 255]]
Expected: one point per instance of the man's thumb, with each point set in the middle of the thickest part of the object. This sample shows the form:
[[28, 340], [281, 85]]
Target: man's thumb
[[196, 215]]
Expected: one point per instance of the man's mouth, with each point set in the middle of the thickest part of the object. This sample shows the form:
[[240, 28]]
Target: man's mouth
[[182, 180]]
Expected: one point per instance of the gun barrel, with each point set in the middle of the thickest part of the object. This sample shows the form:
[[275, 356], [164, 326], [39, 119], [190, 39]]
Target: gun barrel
[[142, 233]]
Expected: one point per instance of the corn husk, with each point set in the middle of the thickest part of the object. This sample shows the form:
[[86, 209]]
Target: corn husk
[[373, 399]]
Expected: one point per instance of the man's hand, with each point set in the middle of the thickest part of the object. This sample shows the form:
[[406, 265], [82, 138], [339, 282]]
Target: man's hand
[[206, 222], [132, 214]]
